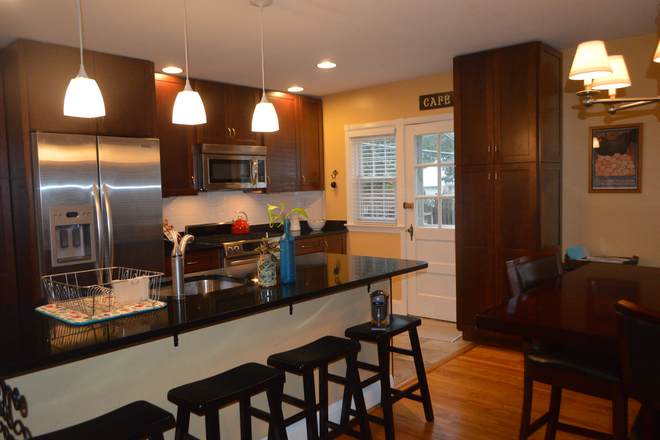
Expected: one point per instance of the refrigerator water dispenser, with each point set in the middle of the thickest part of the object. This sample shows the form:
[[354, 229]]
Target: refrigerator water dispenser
[[71, 239]]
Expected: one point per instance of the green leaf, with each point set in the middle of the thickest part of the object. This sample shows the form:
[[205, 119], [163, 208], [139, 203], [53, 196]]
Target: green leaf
[[300, 210]]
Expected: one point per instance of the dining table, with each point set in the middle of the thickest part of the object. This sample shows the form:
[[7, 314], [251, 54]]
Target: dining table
[[578, 307]]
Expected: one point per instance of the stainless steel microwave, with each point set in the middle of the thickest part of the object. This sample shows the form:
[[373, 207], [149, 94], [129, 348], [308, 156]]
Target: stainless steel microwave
[[229, 167]]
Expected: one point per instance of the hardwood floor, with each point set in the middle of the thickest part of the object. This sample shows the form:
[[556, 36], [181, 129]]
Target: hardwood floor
[[478, 396]]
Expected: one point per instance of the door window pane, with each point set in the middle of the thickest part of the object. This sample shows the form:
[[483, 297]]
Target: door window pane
[[448, 212], [426, 212]]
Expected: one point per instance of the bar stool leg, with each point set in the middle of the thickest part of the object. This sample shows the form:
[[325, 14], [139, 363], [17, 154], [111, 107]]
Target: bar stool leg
[[182, 423], [277, 427], [385, 388], [310, 408], [353, 377], [421, 375], [212, 424], [245, 418], [323, 400]]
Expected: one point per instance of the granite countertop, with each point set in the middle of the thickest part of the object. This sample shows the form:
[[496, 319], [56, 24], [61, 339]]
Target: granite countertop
[[30, 341]]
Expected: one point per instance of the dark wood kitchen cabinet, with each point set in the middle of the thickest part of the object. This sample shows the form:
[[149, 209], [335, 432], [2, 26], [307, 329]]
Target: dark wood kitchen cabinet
[[229, 110], [295, 152], [177, 141], [282, 159], [508, 105], [195, 261], [8, 293], [335, 244], [125, 83], [311, 143], [508, 173]]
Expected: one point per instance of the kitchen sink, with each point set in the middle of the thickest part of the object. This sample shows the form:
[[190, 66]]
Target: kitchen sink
[[202, 284]]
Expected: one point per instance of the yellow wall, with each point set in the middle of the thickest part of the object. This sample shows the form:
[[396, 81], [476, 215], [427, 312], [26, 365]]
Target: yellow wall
[[374, 104], [613, 224]]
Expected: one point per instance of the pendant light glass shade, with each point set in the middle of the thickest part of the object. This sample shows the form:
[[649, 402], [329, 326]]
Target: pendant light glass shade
[[83, 97], [590, 61], [188, 106], [264, 118], [656, 57], [617, 80]]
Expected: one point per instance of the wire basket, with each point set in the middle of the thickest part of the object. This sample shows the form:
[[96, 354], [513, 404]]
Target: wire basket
[[92, 292]]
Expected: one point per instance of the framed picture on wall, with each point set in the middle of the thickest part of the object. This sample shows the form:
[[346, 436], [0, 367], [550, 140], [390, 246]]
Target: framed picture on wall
[[615, 153]]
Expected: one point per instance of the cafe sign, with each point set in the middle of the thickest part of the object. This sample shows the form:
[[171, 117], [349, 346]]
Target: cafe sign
[[436, 100]]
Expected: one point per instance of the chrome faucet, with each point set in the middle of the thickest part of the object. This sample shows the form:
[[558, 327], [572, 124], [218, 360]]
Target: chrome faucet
[[178, 259]]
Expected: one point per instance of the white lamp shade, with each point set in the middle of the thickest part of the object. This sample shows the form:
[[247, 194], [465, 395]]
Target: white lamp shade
[[188, 107], [656, 57], [590, 61], [83, 97], [264, 118], [619, 77]]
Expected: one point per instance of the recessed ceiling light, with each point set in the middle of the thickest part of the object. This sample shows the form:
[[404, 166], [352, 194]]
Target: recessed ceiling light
[[295, 89], [326, 65], [172, 69]]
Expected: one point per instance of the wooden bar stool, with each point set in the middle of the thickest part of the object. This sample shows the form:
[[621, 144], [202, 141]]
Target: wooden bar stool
[[302, 361], [205, 398], [389, 395], [135, 421]]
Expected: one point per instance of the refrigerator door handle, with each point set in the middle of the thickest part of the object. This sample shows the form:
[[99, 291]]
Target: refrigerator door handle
[[108, 217], [99, 226]]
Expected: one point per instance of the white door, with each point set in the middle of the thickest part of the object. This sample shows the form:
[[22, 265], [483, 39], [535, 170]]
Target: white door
[[429, 177]]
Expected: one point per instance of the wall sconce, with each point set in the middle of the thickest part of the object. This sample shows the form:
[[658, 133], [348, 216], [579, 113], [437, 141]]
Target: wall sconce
[[600, 72]]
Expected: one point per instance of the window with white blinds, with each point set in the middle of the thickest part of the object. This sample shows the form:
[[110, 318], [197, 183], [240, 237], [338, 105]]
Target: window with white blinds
[[373, 180]]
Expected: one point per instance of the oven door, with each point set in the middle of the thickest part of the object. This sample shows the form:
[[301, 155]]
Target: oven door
[[240, 261], [231, 171]]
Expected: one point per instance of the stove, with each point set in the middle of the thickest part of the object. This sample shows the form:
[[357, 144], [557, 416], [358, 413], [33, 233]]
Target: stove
[[237, 249]]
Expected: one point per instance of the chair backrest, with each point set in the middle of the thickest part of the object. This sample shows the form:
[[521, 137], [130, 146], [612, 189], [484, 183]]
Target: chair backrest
[[531, 271], [639, 339]]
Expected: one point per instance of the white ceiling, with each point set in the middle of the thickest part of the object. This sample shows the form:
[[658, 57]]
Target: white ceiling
[[372, 42]]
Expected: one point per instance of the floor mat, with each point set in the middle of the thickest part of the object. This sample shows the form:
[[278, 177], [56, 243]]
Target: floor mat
[[439, 330]]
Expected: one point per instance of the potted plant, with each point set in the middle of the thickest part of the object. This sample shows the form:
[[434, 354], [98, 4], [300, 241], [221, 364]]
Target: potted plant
[[266, 266]]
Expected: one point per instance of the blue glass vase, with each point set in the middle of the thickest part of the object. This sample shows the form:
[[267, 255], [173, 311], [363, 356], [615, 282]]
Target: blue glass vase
[[288, 254]]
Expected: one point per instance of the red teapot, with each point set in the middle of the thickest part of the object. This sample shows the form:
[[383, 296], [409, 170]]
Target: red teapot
[[240, 225]]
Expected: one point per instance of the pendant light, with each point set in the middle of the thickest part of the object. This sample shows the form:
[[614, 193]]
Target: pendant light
[[264, 118], [188, 106], [83, 97]]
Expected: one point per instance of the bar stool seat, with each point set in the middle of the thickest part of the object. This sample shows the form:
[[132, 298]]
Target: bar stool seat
[[319, 354], [205, 398], [389, 395], [135, 421]]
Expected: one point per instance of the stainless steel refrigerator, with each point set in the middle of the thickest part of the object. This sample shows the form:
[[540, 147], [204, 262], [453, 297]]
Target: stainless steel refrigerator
[[99, 202]]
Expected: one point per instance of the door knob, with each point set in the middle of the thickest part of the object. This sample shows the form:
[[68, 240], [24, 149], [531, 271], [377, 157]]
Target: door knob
[[410, 231], [408, 205]]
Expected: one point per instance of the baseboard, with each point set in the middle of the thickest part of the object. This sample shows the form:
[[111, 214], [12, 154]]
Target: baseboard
[[298, 431]]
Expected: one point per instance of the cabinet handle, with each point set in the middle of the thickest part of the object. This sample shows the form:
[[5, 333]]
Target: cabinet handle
[[489, 175], [233, 133], [303, 177], [489, 146], [496, 148], [268, 179], [304, 246], [193, 180], [495, 176], [229, 132], [326, 245]]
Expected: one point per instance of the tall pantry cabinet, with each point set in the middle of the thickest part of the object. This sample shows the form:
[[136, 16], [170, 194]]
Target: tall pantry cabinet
[[508, 169]]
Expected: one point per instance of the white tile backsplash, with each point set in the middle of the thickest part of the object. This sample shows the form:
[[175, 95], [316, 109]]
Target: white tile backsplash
[[219, 206]]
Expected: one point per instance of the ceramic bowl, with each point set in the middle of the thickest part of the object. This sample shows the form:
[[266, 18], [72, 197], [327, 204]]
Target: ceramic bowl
[[316, 225]]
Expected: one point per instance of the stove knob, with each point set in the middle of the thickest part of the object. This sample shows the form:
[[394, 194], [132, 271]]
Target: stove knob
[[235, 248], [229, 249]]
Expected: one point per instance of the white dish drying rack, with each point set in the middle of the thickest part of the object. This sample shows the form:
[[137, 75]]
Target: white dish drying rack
[[96, 291]]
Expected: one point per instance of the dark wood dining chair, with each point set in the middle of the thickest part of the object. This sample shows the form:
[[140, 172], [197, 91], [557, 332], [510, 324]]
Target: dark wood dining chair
[[639, 339], [561, 366]]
